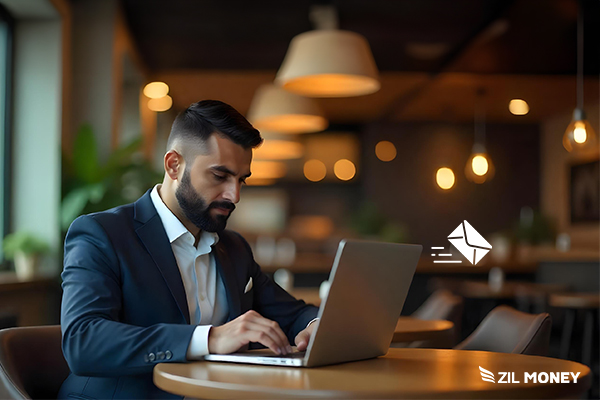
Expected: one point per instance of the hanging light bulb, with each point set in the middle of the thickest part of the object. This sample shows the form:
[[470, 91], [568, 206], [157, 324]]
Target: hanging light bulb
[[479, 167], [444, 177], [579, 134]]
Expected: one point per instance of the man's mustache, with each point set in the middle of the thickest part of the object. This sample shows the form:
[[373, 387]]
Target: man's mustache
[[222, 204]]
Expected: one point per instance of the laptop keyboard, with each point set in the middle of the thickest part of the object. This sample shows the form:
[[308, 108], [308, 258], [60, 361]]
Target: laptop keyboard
[[299, 354]]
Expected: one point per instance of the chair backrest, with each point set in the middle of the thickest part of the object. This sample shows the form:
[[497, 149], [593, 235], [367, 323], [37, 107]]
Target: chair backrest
[[506, 330], [32, 365], [442, 304]]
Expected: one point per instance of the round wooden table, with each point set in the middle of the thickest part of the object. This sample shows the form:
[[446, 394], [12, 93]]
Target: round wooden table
[[402, 373], [409, 329]]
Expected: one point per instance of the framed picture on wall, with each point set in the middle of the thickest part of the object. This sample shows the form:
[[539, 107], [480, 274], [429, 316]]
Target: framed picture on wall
[[585, 192]]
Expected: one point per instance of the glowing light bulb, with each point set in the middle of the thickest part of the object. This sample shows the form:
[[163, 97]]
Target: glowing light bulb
[[344, 169], [314, 170], [156, 90], [385, 151], [445, 178], [480, 165], [518, 107], [579, 134]]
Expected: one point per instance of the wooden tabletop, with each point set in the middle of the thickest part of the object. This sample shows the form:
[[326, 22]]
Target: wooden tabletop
[[509, 290], [410, 329], [575, 300], [402, 373]]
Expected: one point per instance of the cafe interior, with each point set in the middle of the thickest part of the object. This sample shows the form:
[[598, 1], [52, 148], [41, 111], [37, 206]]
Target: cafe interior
[[469, 127]]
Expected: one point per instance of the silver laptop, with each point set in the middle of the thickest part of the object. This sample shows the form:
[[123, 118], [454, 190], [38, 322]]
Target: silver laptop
[[357, 319]]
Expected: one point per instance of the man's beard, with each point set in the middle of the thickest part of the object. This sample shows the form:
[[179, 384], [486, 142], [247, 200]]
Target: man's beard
[[194, 207]]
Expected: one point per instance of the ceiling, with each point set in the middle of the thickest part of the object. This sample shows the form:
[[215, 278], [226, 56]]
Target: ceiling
[[432, 54]]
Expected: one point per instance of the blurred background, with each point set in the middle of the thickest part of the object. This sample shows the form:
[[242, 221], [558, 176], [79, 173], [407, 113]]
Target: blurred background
[[384, 120]]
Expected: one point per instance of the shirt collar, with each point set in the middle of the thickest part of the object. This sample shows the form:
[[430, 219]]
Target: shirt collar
[[173, 226]]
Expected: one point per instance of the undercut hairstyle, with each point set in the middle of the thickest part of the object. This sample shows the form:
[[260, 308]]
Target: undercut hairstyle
[[194, 126]]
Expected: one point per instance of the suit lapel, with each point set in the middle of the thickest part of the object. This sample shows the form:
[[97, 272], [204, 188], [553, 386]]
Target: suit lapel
[[153, 236], [226, 270]]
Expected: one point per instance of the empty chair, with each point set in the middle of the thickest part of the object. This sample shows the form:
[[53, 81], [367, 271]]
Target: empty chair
[[506, 330], [442, 304], [32, 361]]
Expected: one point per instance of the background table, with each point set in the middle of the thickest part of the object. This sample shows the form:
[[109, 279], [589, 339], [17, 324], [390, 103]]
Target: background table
[[402, 373], [409, 329]]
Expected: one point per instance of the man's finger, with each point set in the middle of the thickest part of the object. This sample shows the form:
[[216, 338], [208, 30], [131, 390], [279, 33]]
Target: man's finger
[[301, 340], [264, 339], [259, 319], [280, 343]]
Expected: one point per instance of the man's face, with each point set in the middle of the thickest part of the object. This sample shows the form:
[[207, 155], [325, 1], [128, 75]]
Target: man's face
[[210, 186]]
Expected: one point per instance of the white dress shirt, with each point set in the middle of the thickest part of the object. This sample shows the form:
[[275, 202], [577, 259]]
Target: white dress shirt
[[204, 288]]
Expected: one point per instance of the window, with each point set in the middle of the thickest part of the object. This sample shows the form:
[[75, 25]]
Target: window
[[6, 30]]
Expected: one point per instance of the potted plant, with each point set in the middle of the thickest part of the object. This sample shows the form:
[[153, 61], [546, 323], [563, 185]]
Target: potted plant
[[24, 248]]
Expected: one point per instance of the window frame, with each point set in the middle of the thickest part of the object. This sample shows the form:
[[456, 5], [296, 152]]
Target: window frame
[[6, 127]]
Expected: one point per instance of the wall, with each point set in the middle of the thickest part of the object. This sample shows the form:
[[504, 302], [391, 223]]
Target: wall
[[405, 189], [92, 51], [555, 164]]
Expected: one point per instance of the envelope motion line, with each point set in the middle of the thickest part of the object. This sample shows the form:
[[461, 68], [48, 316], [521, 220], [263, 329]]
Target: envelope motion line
[[446, 261]]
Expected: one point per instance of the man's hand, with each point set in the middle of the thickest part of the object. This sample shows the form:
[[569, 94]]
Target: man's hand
[[303, 337], [249, 327]]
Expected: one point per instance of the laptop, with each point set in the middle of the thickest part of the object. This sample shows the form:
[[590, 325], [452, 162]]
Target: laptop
[[357, 319]]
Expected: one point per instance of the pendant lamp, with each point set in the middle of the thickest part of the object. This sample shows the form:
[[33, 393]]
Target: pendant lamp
[[579, 134], [277, 110], [328, 62], [479, 168], [278, 147]]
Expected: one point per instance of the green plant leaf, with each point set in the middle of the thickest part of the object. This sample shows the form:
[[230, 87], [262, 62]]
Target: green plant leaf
[[73, 205], [24, 242], [85, 155]]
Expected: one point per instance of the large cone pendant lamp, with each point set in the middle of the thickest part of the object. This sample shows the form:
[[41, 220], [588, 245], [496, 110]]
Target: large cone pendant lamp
[[329, 62], [278, 147], [277, 110]]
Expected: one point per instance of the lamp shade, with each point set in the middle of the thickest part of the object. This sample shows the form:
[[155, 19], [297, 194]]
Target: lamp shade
[[277, 110], [329, 63], [278, 147]]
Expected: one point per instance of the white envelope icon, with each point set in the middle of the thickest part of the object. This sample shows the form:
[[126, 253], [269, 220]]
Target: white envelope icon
[[469, 242]]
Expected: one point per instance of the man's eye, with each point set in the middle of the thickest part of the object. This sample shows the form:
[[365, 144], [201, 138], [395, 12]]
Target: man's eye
[[220, 177], [243, 181]]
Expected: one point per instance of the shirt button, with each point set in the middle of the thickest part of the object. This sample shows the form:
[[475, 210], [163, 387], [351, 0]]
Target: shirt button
[[168, 354], [160, 355], [151, 357]]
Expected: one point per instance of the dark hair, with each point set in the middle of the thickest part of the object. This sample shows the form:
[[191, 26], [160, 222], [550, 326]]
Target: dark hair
[[200, 120]]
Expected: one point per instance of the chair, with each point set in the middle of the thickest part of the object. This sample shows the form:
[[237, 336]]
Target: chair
[[32, 365], [506, 330], [442, 304]]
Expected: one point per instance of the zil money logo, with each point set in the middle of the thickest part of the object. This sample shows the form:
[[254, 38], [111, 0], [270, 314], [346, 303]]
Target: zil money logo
[[468, 241]]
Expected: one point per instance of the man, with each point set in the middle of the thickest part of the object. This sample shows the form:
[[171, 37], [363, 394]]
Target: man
[[161, 280]]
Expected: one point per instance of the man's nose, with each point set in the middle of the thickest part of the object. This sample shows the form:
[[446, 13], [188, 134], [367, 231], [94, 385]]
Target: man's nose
[[232, 193]]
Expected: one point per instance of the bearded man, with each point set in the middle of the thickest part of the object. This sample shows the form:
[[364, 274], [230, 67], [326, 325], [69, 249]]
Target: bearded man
[[161, 280]]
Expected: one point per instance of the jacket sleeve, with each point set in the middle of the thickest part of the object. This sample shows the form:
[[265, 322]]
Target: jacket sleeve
[[94, 342], [273, 302]]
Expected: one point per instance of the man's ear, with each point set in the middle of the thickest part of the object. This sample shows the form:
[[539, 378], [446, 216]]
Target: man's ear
[[174, 164]]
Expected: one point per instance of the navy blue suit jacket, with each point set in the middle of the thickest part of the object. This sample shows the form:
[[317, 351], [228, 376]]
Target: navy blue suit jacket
[[124, 307]]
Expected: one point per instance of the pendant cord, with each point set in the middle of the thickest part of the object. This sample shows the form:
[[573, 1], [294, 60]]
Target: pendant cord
[[479, 119], [580, 55]]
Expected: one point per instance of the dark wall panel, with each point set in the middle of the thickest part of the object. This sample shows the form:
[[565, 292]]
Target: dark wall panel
[[405, 189]]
